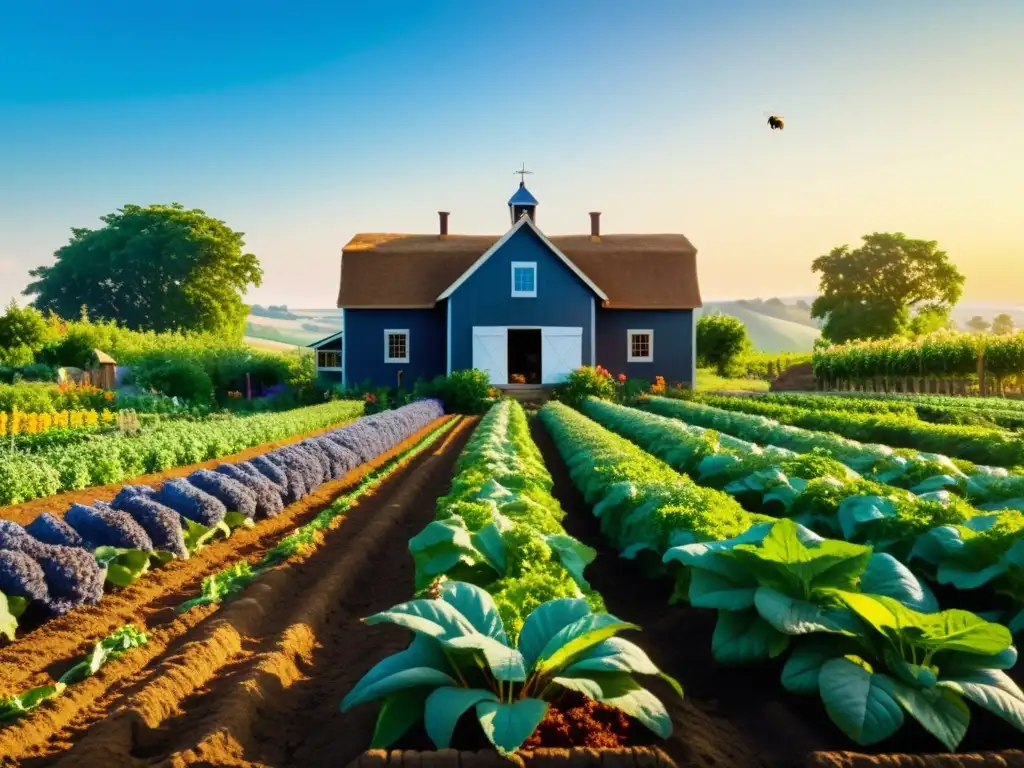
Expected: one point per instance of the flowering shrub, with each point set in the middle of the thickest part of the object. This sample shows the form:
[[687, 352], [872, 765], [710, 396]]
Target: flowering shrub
[[658, 387], [585, 382]]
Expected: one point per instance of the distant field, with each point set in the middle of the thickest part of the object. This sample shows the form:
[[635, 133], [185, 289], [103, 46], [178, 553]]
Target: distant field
[[768, 334], [280, 346], [708, 380]]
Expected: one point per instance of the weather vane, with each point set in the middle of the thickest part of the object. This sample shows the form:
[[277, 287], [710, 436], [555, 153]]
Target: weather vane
[[522, 172]]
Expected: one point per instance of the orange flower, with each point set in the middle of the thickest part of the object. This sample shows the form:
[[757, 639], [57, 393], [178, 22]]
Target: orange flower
[[108, 396], [622, 378]]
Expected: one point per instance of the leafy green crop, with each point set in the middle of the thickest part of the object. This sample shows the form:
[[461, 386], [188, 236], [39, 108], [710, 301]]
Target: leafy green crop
[[462, 658]]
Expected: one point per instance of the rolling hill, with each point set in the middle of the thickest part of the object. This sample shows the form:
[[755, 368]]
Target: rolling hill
[[768, 334]]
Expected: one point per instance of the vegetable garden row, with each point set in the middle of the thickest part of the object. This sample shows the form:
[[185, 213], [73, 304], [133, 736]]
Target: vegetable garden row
[[823, 561]]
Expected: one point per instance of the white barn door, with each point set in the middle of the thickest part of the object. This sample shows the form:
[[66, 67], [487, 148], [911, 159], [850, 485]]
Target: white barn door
[[561, 353], [490, 353]]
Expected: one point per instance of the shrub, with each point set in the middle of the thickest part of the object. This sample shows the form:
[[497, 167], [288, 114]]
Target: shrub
[[583, 383], [721, 340], [178, 377], [466, 391]]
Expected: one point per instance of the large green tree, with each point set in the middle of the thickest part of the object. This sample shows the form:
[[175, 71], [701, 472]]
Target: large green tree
[[160, 268], [1002, 324], [869, 291], [721, 339], [23, 331]]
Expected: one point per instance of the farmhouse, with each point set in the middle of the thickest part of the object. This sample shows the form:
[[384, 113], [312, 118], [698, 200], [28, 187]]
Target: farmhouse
[[524, 307]]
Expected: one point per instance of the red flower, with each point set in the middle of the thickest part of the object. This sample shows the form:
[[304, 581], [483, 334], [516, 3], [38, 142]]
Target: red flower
[[370, 397], [622, 378]]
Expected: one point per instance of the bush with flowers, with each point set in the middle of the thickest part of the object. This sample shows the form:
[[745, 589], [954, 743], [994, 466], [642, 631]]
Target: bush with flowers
[[585, 382]]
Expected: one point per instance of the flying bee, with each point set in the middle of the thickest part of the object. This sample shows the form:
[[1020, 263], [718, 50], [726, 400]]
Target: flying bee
[[775, 122]]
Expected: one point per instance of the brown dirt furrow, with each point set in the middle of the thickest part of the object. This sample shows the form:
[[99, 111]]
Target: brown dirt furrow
[[267, 671], [44, 654], [28, 511]]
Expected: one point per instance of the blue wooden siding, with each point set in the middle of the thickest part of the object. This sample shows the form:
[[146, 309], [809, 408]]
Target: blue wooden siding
[[364, 342], [673, 343], [486, 297]]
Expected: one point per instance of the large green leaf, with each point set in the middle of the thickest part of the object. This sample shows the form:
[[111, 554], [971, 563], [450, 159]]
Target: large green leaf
[[574, 555], [800, 617], [859, 701], [505, 663], [477, 606], [577, 637], [885, 575], [620, 690], [940, 711], [795, 561], [416, 677], [399, 711], [741, 637], [17, 705], [109, 648], [951, 630], [991, 689], [507, 726], [801, 670], [423, 652], [433, 618], [124, 566], [856, 511], [198, 535], [711, 590], [546, 621], [618, 655], [445, 706], [488, 542]]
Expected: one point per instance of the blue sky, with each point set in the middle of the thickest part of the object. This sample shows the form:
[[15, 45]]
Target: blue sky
[[303, 123]]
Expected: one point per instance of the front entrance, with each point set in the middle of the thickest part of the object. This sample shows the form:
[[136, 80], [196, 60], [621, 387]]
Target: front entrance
[[524, 356], [540, 355]]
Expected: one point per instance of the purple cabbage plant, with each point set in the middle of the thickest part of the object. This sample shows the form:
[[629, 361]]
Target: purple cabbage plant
[[191, 502], [103, 526], [50, 529], [231, 493], [268, 495]]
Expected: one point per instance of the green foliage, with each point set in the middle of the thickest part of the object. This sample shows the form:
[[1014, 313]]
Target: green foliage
[[465, 392], [462, 658], [159, 267], [868, 292], [499, 526], [181, 378], [113, 458], [585, 382], [929, 320], [977, 444], [721, 340], [1002, 324], [23, 331]]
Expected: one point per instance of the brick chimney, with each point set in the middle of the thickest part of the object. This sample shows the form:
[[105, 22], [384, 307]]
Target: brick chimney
[[443, 217], [595, 227]]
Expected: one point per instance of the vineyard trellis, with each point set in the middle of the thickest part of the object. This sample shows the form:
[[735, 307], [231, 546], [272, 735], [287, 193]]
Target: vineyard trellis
[[942, 363]]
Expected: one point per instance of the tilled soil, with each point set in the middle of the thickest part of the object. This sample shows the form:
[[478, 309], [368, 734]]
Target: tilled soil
[[742, 716], [261, 677], [28, 511]]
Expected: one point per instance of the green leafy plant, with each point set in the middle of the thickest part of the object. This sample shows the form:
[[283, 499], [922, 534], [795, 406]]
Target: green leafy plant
[[585, 382], [125, 566], [926, 665], [777, 581], [11, 609], [462, 659]]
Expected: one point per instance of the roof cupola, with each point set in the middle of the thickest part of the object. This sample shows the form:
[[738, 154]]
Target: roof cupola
[[522, 202]]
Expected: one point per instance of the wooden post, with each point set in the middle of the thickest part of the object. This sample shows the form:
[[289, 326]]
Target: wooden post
[[248, 387]]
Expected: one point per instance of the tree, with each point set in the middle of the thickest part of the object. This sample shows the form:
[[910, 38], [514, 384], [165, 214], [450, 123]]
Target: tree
[[721, 339], [23, 332], [869, 292], [1002, 324], [978, 324], [160, 268], [929, 320]]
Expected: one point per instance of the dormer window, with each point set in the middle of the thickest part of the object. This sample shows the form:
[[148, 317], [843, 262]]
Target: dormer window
[[524, 279]]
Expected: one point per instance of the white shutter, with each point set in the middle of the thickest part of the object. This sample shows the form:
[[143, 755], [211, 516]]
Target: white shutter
[[490, 353], [561, 353]]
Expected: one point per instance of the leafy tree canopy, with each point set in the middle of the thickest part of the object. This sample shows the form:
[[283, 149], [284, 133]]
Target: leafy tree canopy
[[1002, 324], [978, 324], [869, 292], [721, 339], [23, 332], [159, 268], [929, 320]]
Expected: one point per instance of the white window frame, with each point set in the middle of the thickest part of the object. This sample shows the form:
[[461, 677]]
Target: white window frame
[[388, 333], [630, 358], [532, 266]]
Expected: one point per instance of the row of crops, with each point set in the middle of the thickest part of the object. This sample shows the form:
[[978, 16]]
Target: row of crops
[[971, 444], [857, 627], [114, 458], [59, 562], [506, 620], [942, 355], [929, 408]]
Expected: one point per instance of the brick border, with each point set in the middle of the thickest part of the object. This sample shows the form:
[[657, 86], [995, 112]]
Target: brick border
[[1010, 758], [630, 757]]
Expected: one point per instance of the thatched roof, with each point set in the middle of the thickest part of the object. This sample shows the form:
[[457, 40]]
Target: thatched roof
[[390, 271], [102, 358]]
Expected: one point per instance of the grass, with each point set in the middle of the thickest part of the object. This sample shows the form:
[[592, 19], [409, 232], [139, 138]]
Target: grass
[[707, 380]]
